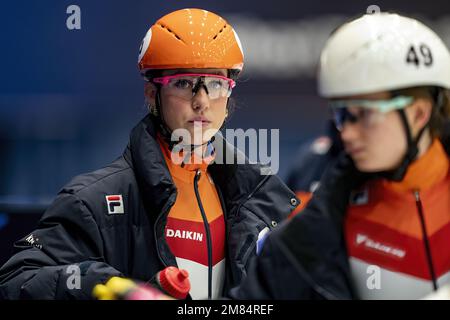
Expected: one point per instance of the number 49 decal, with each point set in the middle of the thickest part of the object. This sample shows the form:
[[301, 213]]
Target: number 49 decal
[[424, 57]]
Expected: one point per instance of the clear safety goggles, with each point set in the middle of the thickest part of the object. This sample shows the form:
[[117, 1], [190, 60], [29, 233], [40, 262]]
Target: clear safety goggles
[[188, 84], [366, 112]]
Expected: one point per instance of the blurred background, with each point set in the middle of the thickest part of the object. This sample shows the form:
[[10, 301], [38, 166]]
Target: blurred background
[[69, 98]]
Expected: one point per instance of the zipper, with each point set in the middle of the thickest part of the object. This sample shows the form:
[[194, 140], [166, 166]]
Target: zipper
[[425, 239], [207, 231]]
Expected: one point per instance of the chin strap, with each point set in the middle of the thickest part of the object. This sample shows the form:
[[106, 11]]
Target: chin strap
[[413, 144], [411, 153]]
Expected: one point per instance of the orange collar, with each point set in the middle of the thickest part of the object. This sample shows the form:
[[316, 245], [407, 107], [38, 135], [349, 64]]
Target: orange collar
[[429, 169], [174, 161]]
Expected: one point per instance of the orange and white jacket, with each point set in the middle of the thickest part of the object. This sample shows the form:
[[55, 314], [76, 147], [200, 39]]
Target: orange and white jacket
[[398, 234], [195, 229]]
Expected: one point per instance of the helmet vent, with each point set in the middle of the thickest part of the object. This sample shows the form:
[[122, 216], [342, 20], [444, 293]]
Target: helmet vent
[[221, 30], [170, 31]]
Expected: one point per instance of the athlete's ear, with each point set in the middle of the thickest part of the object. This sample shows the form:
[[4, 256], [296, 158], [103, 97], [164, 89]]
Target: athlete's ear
[[150, 93], [419, 113]]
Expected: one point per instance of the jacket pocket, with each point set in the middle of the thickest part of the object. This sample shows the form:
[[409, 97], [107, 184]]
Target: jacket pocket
[[243, 235]]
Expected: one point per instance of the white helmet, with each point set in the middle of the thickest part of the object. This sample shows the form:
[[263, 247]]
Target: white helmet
[[382, 52]]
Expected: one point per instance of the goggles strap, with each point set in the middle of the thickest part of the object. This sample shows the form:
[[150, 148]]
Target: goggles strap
[[438, 97], [164, 130]]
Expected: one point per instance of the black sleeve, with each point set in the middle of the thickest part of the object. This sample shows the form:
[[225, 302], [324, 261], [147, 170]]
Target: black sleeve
[[61, 259], [274, 275], [305, 258]]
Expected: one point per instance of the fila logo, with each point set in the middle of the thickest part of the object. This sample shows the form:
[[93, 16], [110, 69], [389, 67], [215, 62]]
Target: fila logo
[[114, 204]]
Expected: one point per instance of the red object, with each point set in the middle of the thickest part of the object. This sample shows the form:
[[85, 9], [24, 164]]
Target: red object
[[175, 282]]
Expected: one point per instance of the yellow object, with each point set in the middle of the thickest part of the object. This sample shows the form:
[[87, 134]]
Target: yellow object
[[114, 288], [101, 292]]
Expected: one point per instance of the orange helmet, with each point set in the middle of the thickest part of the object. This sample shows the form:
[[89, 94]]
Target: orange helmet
[[191, 38]]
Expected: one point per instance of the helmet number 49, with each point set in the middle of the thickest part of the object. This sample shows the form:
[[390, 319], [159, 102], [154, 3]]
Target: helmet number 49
[[424, 57]]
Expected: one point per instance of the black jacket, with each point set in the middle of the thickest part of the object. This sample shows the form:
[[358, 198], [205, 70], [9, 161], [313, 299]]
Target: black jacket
[[77, 229]]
